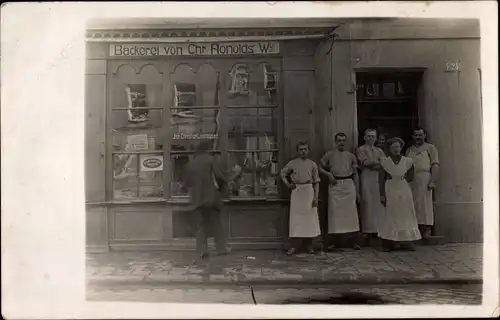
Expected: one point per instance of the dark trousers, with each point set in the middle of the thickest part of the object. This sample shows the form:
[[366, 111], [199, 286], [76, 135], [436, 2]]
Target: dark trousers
[[341, 240], [209, 222], [301, 243]]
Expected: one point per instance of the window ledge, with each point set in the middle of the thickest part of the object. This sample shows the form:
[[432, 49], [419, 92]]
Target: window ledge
[[253, 199], [183, 201], [125, 202]]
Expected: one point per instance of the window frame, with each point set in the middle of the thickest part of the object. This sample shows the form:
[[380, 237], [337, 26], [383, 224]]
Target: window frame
[[167, 96]]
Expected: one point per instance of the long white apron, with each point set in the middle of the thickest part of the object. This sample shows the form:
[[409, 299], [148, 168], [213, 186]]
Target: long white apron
[[304, 220], [399, 221], [342, 211], [371, 208], [422, 196]]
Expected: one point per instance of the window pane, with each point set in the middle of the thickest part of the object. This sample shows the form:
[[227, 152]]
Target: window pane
[[255, 85], [253, 174], [189, 127], [124, 176], [252, 128], [151, 119], [128, 184], [151, 176], [179, 162]]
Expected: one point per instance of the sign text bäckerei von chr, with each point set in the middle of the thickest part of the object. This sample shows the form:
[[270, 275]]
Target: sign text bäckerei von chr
[[194, 49]]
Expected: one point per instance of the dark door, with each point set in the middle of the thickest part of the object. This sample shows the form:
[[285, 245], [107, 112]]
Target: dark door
[[387, 102]]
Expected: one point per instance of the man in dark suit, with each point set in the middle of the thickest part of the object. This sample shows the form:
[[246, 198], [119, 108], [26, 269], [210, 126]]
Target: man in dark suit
[[206, 184]]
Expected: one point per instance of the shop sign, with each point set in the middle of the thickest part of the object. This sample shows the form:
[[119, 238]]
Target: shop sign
[[195, 136], [194, 49], [151, 163]]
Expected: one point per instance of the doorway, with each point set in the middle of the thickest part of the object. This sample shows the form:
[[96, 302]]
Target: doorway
[[387, 102]]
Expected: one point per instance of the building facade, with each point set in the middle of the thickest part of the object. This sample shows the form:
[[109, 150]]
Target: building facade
[[154, 91]]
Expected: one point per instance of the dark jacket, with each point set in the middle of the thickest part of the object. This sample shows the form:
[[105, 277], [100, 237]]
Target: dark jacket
[[199, 178]]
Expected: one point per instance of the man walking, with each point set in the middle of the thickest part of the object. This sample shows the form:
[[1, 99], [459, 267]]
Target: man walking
[[340, 166], [301, 175], [206, 183], [369, 158], [426, 162]]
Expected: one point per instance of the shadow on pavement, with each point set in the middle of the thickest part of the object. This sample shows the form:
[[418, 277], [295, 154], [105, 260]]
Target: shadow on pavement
[[345, 298]]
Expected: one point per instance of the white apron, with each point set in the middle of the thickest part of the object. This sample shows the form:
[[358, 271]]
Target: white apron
[[304, 220], [342, 211], [371, 208], [422, 196], [399, 221]]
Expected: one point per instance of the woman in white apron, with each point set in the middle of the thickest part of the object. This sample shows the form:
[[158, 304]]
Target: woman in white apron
[[398, 224], [302, 177]]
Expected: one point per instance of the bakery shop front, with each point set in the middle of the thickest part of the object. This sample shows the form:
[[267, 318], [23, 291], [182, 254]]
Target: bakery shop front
[[154, 91], [157, 100]]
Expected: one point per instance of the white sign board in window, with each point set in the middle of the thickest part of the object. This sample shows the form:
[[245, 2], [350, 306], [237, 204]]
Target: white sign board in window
[[137, 142], [195, 49], [151, 163]]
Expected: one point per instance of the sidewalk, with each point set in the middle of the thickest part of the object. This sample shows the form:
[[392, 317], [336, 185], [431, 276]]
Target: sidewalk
[[457, 263]]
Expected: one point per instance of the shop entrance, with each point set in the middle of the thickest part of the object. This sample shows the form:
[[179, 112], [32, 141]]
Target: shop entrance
[[387, 102]]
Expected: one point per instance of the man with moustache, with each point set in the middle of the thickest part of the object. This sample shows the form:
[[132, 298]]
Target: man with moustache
[[340, 166], [369, 157], [426, 162]]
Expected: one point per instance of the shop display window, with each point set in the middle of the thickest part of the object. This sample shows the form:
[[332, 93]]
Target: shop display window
[[235, 108], [136, 125], [253, 148]]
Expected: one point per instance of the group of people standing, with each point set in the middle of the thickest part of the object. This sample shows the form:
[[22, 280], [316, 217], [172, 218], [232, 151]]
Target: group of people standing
[[394, 192]]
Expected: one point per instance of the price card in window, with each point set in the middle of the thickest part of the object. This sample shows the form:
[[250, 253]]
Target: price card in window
[[137, 142], [151, 163]]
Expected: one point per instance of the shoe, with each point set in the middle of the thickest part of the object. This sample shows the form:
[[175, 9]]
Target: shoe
[[408, 247], [356, 247], [291, 252], [310, 250], [333, 248]]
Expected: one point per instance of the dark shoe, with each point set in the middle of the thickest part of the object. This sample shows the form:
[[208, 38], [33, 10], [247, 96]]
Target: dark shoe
[[408, 247], [310, 250], [388, 246], [356, 247], [291, 252], [333, 248]]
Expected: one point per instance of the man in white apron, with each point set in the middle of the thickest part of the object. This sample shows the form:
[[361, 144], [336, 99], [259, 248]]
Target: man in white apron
[[369, 158], [301, 175], [426, 162], [340, 166]]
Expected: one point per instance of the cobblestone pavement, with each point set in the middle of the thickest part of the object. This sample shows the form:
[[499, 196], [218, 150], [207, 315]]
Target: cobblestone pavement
[[428, 263], [407, 294]]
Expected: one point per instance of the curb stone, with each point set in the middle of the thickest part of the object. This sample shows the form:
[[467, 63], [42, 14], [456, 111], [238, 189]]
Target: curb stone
[[145, 281]]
